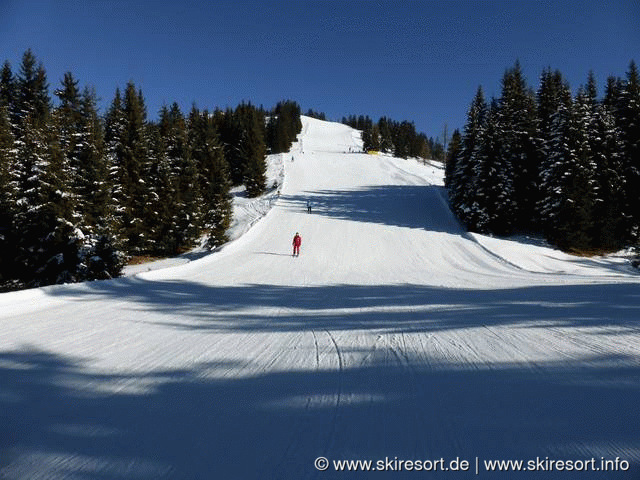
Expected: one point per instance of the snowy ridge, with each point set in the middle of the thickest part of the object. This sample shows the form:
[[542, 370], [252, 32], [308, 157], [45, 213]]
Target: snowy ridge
[[394, 334]]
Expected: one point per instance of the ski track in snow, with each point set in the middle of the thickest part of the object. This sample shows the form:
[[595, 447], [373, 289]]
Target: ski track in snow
[[394, 334]]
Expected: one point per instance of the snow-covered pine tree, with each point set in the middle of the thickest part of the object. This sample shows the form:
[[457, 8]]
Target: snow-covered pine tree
[[93, 184], [114, 146], [46, 249], [184, 173], [32, 104], [461, 181], [214, 178], [518, 150], [609, 225], [47, 245], [8, 95], [283, 126], [569, 179], [386, 140], [99, 253], [628, 121], [162, 204], [453, 154], [559, 153], [252, 149], [613, 95], [130, 192], [229, 129], [70, 126], [493, 184], [552, 93], [581, 232], [7, 199]]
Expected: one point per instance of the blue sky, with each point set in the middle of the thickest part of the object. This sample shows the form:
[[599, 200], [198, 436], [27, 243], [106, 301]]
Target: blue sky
[[409, 60]]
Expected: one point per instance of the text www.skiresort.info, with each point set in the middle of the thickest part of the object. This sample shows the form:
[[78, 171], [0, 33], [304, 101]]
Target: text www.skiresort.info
[[476, 465]]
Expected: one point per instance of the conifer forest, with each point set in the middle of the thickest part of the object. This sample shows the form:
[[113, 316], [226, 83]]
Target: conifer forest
[[551, 163], [81, 192]]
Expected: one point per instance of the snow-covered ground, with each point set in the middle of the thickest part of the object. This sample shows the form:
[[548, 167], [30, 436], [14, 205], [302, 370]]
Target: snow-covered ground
[[394, 336]]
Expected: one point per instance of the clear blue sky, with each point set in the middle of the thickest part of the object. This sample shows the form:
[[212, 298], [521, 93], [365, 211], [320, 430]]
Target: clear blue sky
[[409, 60]]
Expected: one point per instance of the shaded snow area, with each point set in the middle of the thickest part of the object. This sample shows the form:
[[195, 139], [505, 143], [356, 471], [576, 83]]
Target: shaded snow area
[[395, 337]]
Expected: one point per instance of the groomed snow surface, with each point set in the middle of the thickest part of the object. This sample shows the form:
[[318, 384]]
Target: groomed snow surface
[[394, 334]]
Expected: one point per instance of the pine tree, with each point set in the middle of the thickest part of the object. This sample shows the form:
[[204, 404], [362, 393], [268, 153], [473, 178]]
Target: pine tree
[[161, 208], [283, 127], [453, 154], [230, 129], [214, 178], [70, 122], [184, 174], [100, 256], [462, 179], [128, 148], [628, 121], [570, 178], [46, 250], [552, 93], [384, 128], [33, 103], [114, 146], [493, 186], [7, 200], [93, 185], [8, 93], [252, 149], [608, 207], [518, 149], [40, 194]]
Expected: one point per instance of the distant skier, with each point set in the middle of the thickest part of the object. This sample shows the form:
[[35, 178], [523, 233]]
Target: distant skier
[[297, 241], [308, 206]]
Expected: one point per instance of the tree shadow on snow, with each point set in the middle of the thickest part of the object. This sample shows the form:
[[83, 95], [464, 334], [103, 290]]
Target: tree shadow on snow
[[60, 420], [393, 205], [392, 308]]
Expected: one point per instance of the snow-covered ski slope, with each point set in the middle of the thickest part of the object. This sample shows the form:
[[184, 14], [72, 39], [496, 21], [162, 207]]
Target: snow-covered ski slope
[[394, 334]]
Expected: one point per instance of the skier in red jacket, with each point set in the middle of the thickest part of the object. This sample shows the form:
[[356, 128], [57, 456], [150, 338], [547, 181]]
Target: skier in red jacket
[[297, 241]]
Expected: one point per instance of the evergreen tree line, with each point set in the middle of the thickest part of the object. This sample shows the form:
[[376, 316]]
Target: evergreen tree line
[[79, 192], [397, 138], [566, 166], [317, 115]]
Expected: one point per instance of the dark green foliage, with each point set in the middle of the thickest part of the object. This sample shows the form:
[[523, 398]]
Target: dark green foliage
[[627, 114], [32, 94], [461, 178], [7, 198], [251, 148], [230, 131], [129, 167], [518, 152], [214, 182], [453, 157], [566, 167], [283, 127], [397, 138], [93, 188], [162, 207], [79, 192], [316, 115], [184, 174], [8, 92]]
